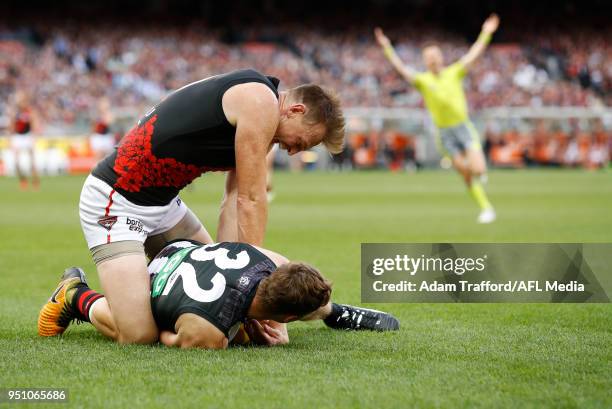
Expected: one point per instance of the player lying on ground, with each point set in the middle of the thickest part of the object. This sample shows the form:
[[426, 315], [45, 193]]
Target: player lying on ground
[[442, 91], [130, 205], [200, 294]]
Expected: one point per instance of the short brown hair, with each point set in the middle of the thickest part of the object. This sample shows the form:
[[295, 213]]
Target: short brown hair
[[294, 288], [324, 107]]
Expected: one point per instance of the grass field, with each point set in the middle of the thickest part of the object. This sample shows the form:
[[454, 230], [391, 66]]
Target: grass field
[[446, 355]]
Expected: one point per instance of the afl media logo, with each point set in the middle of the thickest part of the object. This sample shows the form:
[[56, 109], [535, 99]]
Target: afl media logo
[[108, 222]]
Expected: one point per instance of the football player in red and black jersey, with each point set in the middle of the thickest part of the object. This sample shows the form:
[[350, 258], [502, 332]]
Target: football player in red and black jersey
[[24, 121], [102, 140], [130, 206]]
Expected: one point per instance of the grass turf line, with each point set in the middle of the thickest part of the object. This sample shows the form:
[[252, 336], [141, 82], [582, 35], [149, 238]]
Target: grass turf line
[[446, 355]]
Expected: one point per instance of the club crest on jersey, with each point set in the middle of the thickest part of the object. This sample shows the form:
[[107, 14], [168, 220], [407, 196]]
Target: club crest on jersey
[[108, 222]]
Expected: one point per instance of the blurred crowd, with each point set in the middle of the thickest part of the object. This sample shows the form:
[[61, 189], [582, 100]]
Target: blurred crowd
[[549, 144], [66, 69], [569, 144]]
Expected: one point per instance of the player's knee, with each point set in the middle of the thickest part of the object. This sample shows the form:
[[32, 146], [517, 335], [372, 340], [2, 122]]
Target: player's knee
[[478, 169]]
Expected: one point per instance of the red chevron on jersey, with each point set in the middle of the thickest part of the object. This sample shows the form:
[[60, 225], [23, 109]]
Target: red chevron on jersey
[[138, 167]]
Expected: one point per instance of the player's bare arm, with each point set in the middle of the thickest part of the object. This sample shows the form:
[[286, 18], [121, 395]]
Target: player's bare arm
[[11, 114], [278, 259], [193, 331], [253, 109], [405, 71], [228, 228], [488, 28], [37, 124]]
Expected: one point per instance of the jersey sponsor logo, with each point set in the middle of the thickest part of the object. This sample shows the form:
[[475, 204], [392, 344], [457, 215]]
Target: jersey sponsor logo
[[136, 225], [107, 222], [162, 277]]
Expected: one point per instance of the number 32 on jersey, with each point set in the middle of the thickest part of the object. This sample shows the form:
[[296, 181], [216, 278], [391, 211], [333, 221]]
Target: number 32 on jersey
[[175, 267]]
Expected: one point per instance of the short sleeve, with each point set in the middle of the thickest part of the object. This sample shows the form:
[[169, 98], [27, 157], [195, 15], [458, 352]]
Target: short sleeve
[[459, 70], [417, 80]]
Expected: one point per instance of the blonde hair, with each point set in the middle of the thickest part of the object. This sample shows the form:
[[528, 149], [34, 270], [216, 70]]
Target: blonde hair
[[323, 107]]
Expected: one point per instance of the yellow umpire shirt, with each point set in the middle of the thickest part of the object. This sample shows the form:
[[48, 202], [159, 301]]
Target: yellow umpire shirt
[[443, 95]]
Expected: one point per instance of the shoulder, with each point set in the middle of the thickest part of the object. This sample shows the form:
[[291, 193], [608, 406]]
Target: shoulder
[[420, 78], [422, 74], [456, 68], [251, 90], [249, 98], [252, 250], [278, 259]]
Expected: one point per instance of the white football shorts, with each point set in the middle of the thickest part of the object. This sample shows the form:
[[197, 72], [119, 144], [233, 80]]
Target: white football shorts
[[22, 142], [108, 217]]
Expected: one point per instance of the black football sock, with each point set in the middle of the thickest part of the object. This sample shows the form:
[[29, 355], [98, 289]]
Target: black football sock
[[82, 300]]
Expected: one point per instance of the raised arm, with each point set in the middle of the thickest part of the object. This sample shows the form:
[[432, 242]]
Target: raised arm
[[253, 109], [405, 71], [488, 28]]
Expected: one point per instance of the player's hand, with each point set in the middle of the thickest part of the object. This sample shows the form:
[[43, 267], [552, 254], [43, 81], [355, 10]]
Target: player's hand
[[381, 38], [267, 332], [490, 25], [168, 338]]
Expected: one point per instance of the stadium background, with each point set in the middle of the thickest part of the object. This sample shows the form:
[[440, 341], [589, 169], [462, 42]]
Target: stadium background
[[68, 57], [542, 87]]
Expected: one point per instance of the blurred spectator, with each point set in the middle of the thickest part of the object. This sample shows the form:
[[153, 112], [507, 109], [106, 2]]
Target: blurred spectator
[[72, 65], [547, 145]]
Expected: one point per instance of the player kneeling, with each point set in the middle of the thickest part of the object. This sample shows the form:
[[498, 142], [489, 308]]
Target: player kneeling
[[201, 294]]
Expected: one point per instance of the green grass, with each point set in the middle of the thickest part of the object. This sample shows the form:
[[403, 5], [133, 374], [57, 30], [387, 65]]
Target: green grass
[[446, 355]]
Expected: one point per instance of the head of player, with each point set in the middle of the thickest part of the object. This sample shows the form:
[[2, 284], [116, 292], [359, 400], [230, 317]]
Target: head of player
[[433, 58], [310, 115], [290, 293]]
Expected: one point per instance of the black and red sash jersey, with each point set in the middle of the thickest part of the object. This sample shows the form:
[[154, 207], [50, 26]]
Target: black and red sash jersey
[[101, 127], [183, 136], [23, 122]]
